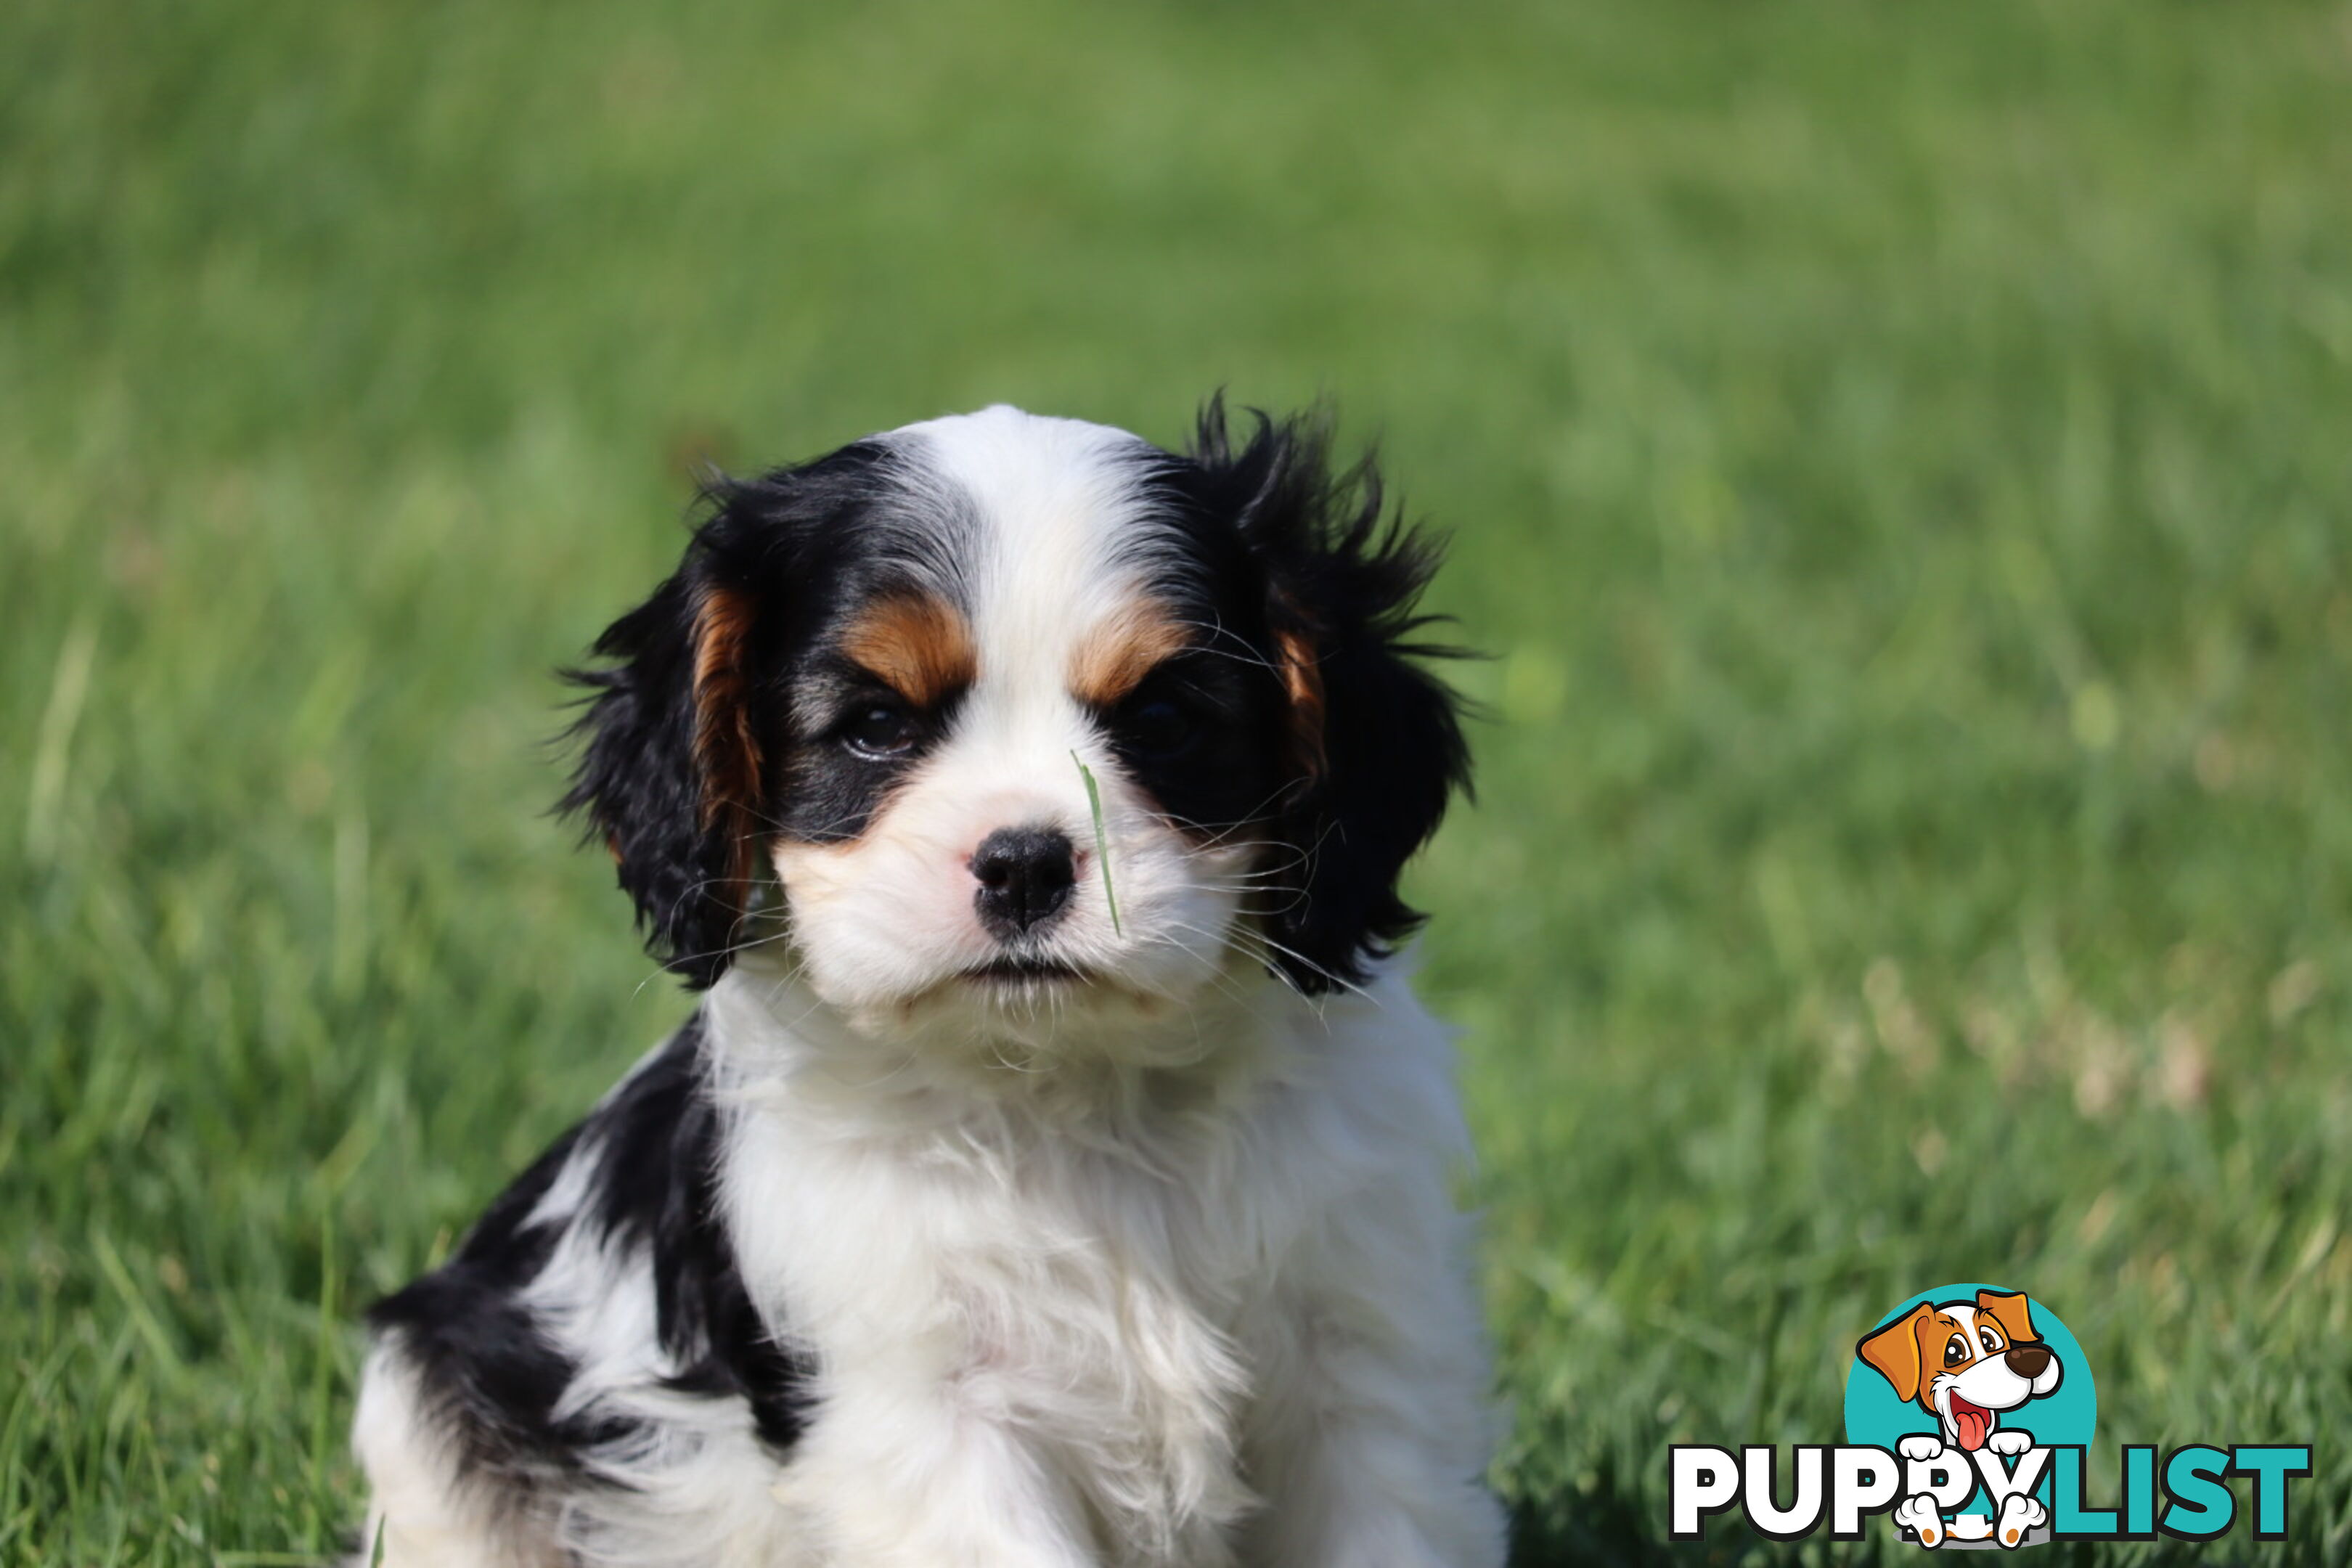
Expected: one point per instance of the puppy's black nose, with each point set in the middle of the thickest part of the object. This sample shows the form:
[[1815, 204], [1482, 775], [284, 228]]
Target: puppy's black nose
[[1025, 875], [2027, 1361]]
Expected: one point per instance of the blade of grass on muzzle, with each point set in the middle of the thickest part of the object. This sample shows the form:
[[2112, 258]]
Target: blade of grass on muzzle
[[1102, 844]]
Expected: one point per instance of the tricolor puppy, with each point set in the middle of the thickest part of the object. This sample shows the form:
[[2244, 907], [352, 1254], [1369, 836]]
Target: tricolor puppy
[[1039, 1182], [1964, 1363]]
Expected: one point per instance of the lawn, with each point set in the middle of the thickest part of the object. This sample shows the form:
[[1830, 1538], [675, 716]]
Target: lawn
[[1900, 459]]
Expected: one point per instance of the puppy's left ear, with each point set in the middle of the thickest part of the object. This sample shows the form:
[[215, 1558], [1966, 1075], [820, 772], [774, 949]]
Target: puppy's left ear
[[1373, 739], [2012, 1311], [670, 777]]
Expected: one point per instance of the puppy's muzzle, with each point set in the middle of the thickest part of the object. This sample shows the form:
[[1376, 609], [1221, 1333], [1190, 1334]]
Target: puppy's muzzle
[[1025, 875], [2027, 1361]]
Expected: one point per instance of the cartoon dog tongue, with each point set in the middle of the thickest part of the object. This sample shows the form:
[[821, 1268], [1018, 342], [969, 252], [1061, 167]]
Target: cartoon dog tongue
[[1972, 1421]]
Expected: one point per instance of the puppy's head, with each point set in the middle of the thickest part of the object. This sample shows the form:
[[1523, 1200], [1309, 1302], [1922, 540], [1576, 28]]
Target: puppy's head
[[899, 705], [1965, 1362]]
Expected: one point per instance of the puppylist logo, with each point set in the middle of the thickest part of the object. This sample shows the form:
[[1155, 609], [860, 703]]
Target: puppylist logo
[[1969, 1411]]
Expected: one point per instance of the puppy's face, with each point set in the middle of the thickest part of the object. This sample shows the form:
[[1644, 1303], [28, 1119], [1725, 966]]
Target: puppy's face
[[861, 723], [1028, 611], [1965, 1363]]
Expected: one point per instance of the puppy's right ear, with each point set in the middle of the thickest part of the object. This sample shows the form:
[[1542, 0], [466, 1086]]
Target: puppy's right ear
[[1893, 1351], [1374, 743], [670, 775]]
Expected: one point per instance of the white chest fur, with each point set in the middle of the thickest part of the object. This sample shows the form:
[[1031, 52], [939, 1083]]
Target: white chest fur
[[1097, 1285]]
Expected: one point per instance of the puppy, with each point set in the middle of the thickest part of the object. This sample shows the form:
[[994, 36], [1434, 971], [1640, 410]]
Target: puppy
[[1966, 1363], [1056, 1170]]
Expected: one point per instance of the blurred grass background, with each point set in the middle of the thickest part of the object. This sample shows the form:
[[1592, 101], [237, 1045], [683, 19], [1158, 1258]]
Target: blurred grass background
[[1901, 458]]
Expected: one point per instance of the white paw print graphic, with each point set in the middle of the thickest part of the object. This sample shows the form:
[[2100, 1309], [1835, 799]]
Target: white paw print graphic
[[2019, 1513], [1918, 1515]]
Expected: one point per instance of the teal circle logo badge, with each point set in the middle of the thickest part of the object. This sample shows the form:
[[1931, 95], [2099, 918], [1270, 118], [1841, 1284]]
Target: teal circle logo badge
[[1957, 1382]]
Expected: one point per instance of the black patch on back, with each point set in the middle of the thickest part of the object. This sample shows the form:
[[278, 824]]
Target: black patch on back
[[656, 1186], [487, 1368]]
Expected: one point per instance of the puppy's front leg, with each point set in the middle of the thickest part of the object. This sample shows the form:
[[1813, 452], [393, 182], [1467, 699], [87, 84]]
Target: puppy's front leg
[[899, 1472], [1369, 1430]]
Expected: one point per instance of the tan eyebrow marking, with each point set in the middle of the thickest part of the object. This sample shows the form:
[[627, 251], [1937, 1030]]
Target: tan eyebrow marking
[[915, 642], [1114, 657]]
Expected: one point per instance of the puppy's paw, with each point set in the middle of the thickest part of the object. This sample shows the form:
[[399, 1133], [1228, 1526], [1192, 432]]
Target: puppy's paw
[[2020, 1513], [1917, 1514], [1921, 1445], [2008, 1444]]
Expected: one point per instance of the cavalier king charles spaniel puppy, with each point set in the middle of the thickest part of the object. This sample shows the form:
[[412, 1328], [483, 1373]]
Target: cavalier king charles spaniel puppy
[[1056, 1169]]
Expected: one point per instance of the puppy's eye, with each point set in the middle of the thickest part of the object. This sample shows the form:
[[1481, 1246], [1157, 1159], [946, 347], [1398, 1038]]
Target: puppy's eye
[[879, 731], [1991, 1340], [1159, 728], [1955, 1351]]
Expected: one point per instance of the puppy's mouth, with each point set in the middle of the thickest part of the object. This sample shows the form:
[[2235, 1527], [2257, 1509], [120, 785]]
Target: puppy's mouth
[[1013, 971], [1971, 1422]]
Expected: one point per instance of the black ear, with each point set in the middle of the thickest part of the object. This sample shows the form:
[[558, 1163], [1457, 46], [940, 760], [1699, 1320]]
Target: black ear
[[676, 773], [1375, 738], [670, 771]]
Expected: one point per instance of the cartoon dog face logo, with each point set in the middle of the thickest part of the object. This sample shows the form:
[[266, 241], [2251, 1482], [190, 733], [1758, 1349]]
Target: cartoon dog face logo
[[1964, 1363]]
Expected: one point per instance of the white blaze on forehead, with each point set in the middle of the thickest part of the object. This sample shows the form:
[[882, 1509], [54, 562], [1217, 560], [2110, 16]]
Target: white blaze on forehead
[[1063, 537], [1063, 529]]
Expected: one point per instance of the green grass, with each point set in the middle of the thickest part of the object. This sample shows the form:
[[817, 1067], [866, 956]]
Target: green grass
[[1901, 457]]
